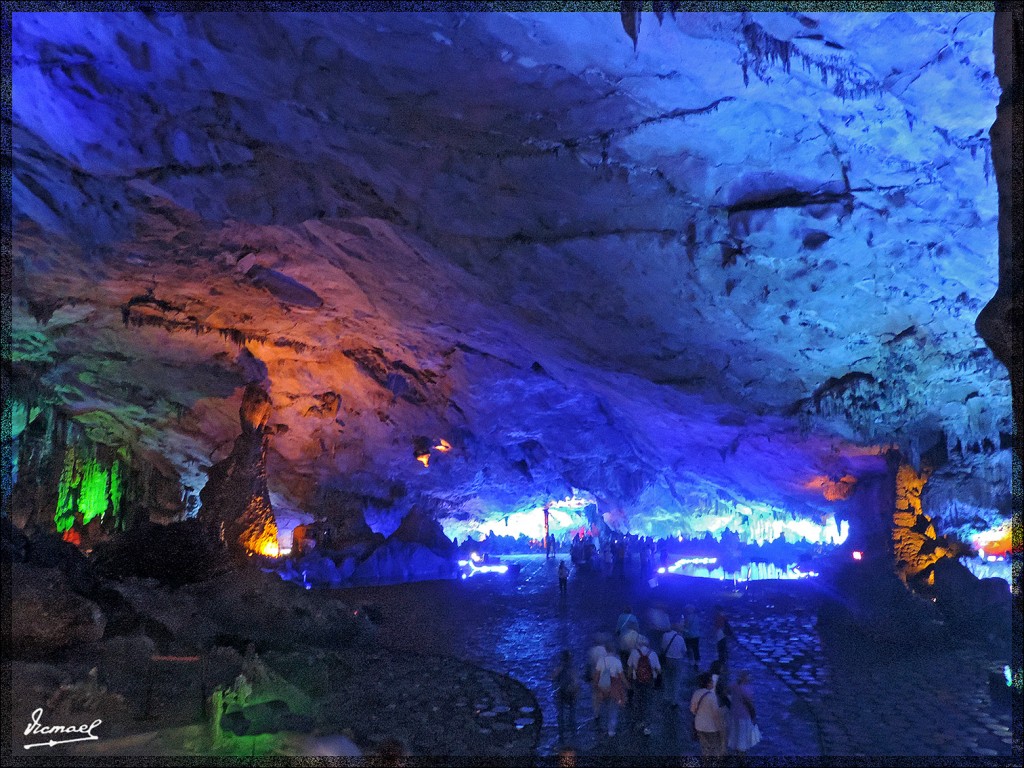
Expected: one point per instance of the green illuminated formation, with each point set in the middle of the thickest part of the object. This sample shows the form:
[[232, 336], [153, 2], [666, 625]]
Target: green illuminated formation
[[116, 491], [70, 479], [87, 490], [92, 495]]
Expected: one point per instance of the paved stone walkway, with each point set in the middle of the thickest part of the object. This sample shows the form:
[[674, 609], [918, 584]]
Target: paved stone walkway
[[813, 701], [866, 704]]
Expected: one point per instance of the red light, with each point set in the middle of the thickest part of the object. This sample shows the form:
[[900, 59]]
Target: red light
[[858, 555]]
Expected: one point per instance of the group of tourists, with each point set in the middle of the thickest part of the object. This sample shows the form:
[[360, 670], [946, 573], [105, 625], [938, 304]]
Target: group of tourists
[[637, 670], [615, 555]]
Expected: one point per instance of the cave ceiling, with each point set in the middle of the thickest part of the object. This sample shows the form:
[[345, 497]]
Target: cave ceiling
[[742, 255]]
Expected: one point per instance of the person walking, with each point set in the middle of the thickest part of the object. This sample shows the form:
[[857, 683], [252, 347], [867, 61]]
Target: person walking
[[567, 689], [644, 669], [658, 624], [675, 649], [611, 684], [707, 720], [627, 627], [691, 634], [743, 730], [563, 578], [723, 634], [721, 682], [627, 620], [594, 655], [627, 642]]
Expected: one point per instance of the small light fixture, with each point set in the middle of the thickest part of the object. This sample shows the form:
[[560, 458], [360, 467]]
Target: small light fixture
[[858, 555]]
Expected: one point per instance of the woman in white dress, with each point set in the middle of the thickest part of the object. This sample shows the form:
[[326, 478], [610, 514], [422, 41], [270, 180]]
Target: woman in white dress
[[742, 730]]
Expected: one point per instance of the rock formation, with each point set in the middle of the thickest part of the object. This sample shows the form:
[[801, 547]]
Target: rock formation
[[236, 501], [711, 266]]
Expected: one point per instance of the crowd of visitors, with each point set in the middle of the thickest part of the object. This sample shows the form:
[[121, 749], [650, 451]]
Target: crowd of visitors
[[639, 667]]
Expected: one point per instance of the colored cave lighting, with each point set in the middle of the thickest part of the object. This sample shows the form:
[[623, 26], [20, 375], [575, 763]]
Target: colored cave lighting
[[87, 489], [474, 568], [989, 566], [759, 523], [832, 488], [563, 521], [424, 459], [443, 446], [995, 541], [699, 567], [270, 549], [688, 561]]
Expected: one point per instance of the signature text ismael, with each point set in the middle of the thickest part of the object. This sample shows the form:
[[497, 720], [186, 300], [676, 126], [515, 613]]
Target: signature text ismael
[[35, 727]]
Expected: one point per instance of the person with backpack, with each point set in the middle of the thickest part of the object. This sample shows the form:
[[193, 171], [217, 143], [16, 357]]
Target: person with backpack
[[611, 686], [627, 643], [567, 689], [644, 668], [674, 647]]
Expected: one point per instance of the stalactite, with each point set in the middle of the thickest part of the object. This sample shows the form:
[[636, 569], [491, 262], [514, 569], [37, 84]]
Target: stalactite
[[70, 480], [190, 324], [93, 495], [766, 50], [116, 492]]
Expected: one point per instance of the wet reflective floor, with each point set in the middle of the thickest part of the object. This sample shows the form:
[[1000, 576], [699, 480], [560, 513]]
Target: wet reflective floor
[[813, 699]]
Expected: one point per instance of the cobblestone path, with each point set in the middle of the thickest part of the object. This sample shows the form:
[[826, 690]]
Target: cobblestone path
[[813, 700]]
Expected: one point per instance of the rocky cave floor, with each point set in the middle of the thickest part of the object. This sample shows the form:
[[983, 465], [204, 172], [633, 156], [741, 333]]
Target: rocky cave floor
[[461, 669]]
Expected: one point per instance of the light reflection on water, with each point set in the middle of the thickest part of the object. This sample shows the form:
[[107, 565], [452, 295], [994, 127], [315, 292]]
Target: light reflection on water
[[746, 572]]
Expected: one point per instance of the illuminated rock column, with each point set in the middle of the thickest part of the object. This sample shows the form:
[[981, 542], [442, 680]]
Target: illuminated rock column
[[236, 501], [915, 541]]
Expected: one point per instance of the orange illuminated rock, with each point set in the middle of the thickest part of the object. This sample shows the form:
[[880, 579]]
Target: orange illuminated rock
[[916, 546], [255, 408], [235, 501], [833, 490]]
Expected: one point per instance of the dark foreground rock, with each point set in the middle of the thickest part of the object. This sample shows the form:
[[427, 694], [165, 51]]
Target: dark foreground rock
[[175, 554], [50, 614], [869, 602], [977, 607], [309, 669]]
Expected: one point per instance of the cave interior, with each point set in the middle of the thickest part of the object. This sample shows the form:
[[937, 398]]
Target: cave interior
[[402, 280]]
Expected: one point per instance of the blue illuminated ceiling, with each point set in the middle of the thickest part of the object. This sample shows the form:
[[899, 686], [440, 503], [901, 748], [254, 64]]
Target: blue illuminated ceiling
[[725, 268]]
